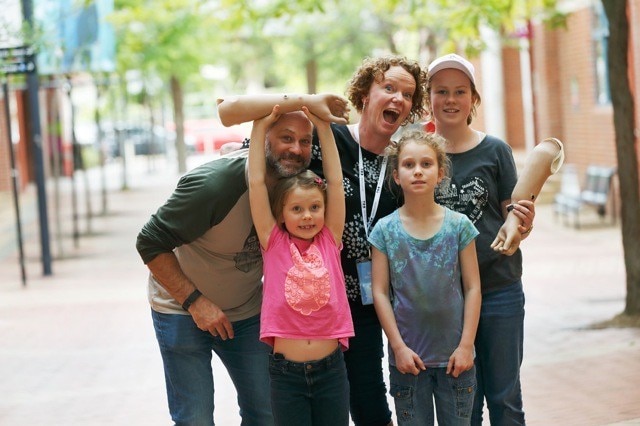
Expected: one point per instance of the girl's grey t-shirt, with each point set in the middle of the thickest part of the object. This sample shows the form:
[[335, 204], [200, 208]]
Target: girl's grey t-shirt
[[481, 179]]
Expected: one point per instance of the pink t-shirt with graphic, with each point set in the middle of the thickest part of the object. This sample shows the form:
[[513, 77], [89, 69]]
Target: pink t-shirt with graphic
[[304, 295]]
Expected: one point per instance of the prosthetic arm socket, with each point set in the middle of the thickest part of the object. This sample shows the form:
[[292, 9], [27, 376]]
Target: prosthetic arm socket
[[543, 161]]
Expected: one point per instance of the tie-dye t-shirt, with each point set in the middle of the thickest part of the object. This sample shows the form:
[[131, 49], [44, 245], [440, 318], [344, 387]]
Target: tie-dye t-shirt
[[426, 286]]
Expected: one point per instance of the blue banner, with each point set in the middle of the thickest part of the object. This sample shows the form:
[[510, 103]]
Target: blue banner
[[76, 36]]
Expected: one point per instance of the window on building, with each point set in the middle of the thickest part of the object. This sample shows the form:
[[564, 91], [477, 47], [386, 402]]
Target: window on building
[[600, 35]]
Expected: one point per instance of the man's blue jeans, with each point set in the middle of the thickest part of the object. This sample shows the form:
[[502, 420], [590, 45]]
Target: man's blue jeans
[[186, 354], [313, 393], [499, 342]]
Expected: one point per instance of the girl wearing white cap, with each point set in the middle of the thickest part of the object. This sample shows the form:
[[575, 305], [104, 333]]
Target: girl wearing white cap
[[483, 175]]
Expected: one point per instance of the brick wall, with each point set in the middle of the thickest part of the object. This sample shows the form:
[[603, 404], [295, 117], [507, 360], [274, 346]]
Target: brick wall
[[548, 110], [565, 87], [5, 161], [514, 124]]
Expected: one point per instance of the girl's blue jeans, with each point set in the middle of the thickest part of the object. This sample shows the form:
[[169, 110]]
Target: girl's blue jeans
[[187, 352], [313, 393], [499, 343], [414, 397]]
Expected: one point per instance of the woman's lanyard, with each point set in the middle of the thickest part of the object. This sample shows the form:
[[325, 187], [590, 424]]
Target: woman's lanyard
[[363, 195]]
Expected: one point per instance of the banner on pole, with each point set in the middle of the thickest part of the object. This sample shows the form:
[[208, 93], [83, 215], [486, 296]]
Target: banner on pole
[[77, 36]]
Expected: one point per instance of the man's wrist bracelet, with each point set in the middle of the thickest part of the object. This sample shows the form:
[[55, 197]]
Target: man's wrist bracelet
[[192, 298]]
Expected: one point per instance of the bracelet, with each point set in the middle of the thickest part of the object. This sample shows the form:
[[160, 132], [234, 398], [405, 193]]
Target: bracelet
[[528, 231], [192, 298]]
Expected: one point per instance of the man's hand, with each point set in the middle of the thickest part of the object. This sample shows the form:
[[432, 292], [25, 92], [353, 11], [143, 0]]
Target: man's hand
[[209, 317]]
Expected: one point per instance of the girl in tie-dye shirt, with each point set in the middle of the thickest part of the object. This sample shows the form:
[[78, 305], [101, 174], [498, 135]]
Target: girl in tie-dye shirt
[[426, 289]]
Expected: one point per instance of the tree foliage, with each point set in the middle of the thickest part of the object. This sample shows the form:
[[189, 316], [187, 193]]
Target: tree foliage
[[303, 45], [172, 39]]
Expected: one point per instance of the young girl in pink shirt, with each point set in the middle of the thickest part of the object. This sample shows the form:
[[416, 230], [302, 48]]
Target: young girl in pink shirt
[[305, 314]]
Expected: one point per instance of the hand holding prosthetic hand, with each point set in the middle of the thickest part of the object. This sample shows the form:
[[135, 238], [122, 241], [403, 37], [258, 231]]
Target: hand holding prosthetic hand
[[543, 161]]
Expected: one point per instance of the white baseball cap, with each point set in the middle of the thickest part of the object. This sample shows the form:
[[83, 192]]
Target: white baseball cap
[[452, 61]]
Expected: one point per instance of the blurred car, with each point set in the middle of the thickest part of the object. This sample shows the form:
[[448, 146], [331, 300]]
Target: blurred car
[[143, 139], [209, 135]]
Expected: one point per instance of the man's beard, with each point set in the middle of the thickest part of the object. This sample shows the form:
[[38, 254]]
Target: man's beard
[[283, 170]]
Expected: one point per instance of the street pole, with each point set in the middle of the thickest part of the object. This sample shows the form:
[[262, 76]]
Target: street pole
[[35, 139], [100, 83], [75, 147]]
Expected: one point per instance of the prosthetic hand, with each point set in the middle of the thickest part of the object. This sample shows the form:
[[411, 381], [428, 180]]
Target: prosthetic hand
[[543, 161], [242, 108]]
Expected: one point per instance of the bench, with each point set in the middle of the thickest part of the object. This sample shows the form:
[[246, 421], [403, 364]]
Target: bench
[[597, 185]]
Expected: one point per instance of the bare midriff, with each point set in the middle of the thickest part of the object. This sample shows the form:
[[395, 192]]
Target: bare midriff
[[302, 350]]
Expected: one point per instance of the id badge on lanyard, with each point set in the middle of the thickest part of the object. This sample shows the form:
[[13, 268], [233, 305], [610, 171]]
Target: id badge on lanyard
[[364, 278], [364, 265]]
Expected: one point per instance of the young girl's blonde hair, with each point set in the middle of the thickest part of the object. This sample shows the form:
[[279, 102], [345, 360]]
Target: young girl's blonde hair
[[434, 141], [305, 180]]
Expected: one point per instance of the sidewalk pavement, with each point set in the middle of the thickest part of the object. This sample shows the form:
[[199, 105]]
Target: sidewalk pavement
[[78, 346]]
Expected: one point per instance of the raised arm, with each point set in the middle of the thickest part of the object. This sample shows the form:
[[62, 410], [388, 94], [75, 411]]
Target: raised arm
[[332, 169], [263, 220], [242, 108]]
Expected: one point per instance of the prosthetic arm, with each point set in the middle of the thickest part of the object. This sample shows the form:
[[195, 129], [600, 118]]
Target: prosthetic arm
[[543, 161]]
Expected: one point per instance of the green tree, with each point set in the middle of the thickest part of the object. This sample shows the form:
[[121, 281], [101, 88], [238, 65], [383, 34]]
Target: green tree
[[623, 118], [172, 39], [446, 25], [164, 39], [321, 53]]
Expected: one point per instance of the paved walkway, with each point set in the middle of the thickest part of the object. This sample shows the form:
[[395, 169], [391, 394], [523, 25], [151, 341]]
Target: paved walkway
[[78, 346]]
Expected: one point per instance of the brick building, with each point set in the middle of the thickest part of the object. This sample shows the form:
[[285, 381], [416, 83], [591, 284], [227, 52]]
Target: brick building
[[21, 150], [569, 85]]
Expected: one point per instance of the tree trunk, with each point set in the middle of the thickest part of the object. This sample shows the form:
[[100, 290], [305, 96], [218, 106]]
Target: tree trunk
[[178, 119], [623, 118], [312, 76]]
